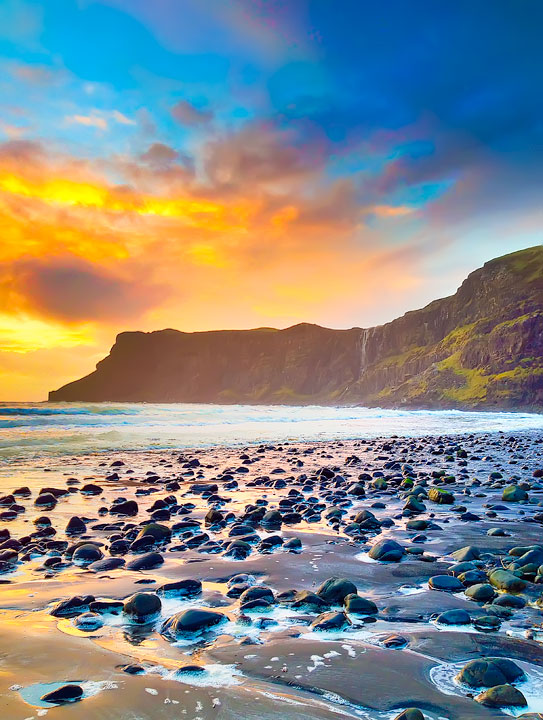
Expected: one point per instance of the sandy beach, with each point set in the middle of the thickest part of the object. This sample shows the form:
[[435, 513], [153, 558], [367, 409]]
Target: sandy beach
[[232, 548]]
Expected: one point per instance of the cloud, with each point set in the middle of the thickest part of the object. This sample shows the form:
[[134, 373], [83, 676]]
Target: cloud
[[21, 153], [159, 155], [187, 114], [89, 121], [72, 290], [261, 154], [39, 75], [121, 118]]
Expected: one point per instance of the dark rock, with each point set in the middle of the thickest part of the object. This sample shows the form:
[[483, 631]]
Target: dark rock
[[335, 590], [489, 672], [387, 550], [142, 607], [502, 696], [146, 562], [445, 583], [330, 621], [191, 621], [181, 588], [64, 694]]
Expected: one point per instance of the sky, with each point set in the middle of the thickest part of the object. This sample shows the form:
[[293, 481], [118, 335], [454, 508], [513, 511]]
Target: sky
[[211, 164]]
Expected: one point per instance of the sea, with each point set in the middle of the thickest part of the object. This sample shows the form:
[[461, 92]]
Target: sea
[[33, 430]]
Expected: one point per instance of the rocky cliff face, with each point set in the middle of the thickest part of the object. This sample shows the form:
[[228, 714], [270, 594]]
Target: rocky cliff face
[[480, 348]]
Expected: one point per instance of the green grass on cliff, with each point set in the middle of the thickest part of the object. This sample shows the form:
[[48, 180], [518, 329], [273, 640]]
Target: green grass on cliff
[[474, 385], [528, 263]]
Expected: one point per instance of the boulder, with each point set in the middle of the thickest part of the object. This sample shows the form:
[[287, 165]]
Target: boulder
[[191, 621], [142, 607], [502, 696], [330, 621], [514, 494], [64, 694], [387, 550], [335, 590]]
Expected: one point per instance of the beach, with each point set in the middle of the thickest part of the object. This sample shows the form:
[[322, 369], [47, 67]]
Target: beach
[[192, 582]]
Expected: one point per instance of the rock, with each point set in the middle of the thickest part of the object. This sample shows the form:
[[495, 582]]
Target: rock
[[119, 547], [146, 562], [128, 507], [514, 494], [489, 672], [181, 588], [293, 545], [142, 607], [496, 532], [309, 600], [64, 694], [335, 590], [454, 617], [272, 519], [88, 621], [357, 489], [417, 525], [91, 489], [410, 714], [238, 549], [191, 621], [257, 592], [394, 641], [414, 505], [481, 592], [108, 563], [330, 621], [509, 601], [132, 669], [213, 517], [466, 554], [387, 551], [190, 670], [502, 696], [86, 554], [46, 501], [72, 606], [505, 580], [445, 583], [75, 526], [159, 533], [440, 496], [358, 605], [487, 623], [106, 606]]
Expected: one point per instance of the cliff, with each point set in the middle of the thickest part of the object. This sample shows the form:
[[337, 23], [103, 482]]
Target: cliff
[[480, 348]]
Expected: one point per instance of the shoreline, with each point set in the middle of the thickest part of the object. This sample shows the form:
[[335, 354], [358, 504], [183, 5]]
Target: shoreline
[[244, 445], [36, 430]]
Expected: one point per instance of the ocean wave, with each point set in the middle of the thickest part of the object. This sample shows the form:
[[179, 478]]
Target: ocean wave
[[51, 411], [38, 429]]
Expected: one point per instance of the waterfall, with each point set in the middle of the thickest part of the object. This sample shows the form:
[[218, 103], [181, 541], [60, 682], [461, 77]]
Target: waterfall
[[363, 341]]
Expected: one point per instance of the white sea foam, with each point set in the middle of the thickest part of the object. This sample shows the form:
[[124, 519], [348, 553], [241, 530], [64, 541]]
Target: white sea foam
[[37, 429]]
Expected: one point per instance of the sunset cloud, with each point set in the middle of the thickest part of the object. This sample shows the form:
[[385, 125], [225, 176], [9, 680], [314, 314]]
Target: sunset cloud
[[73, 290]]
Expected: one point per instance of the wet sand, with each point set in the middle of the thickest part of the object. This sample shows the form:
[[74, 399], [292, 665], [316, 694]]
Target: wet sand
[[267, 660]]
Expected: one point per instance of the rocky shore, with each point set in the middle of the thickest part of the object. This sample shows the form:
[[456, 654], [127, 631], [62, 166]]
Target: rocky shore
[[382, 579]]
